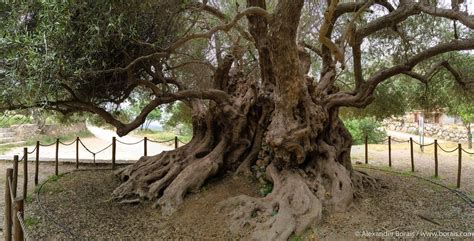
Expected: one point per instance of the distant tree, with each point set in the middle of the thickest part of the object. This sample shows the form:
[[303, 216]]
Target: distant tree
[[136, 106], [466, 112], [180, 114]]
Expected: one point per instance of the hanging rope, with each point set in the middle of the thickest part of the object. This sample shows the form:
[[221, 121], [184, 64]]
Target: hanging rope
[[446, 150], [422, 145], [395, 140], [180, 141], [33, 151], [94, 153], [129, 143], [67, 144], [48, 144], [160, 141], [23, 226], [469, 153]]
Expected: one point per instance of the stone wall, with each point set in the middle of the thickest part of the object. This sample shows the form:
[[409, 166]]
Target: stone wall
[[26, 131], [456, 133]]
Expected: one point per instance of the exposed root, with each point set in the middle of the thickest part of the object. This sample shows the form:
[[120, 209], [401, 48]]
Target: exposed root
[[290, 208], [363, 182], [167, 177], [146, 178], [190, 179]]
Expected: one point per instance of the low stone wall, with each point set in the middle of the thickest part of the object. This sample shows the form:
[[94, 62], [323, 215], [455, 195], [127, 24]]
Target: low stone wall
[[23, 132], [456, 133]]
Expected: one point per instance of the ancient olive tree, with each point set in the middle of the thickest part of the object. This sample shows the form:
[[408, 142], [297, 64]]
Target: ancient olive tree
[[264, 81]]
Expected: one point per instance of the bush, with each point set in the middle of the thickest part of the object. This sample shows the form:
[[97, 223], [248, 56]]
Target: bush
[[8, 121], [369, 126]]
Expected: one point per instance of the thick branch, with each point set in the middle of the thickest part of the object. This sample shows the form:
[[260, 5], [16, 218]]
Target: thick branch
[[434, 70], [166, 52], [312, 48], [363, 97], [462, 17]]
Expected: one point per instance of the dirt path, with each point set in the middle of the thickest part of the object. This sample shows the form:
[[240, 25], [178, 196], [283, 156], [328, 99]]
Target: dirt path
[[423, 161], [102, 139], [406, 136], [81, 202]]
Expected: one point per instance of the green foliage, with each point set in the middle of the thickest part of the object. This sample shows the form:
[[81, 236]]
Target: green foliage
[[46, 139], [48, 43], [55, 178], [16, 119], [295, 237], [164, 136], [31, 221], [180, 114], [29, 198], [369, 126], [390, 99], [6, 148], [266, 189], [136, 106]]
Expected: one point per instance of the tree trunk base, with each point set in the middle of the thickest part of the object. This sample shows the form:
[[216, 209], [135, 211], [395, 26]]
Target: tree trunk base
[[167, 177], [290, 208], [363, 182]]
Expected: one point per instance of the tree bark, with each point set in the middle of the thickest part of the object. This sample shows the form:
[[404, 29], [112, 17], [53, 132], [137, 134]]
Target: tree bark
[[469, 135], [282, 125]]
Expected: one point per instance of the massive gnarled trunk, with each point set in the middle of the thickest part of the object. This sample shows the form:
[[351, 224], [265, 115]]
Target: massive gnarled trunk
[[281, 123]]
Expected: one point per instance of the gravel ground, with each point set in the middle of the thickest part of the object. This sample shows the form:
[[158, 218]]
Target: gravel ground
[[81, 202], [45, 170], [424, 162]]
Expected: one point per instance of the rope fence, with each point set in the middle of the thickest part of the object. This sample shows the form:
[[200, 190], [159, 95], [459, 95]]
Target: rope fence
[[130, 144], [170, 140], [436, 145], [14, 206], [446, 150], [15, 228]]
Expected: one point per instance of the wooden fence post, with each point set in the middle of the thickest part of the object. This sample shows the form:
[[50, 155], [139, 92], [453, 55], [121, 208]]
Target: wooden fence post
[[77, 152], [458, 185], [436, 157], [37, 162], [7, 227], [17, 230], [145, 140], [389, 151], [366, 150], [411, 156], [25, 172], [56, 168], [175, 142], [114, 146], [15, 175]]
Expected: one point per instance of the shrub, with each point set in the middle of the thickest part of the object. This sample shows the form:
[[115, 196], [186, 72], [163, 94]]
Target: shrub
[[369, 126]]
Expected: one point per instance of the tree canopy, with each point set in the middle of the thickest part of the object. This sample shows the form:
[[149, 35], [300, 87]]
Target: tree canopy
[[58, 52]]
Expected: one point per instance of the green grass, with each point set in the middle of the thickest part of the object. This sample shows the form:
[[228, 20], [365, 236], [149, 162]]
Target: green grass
[[45, 188], [29, 198], [435, 178], [31, 221], [406, 173], [16, 120], [163, 136], [55, 178], [295, 237], [45, 139], [6, 148]]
